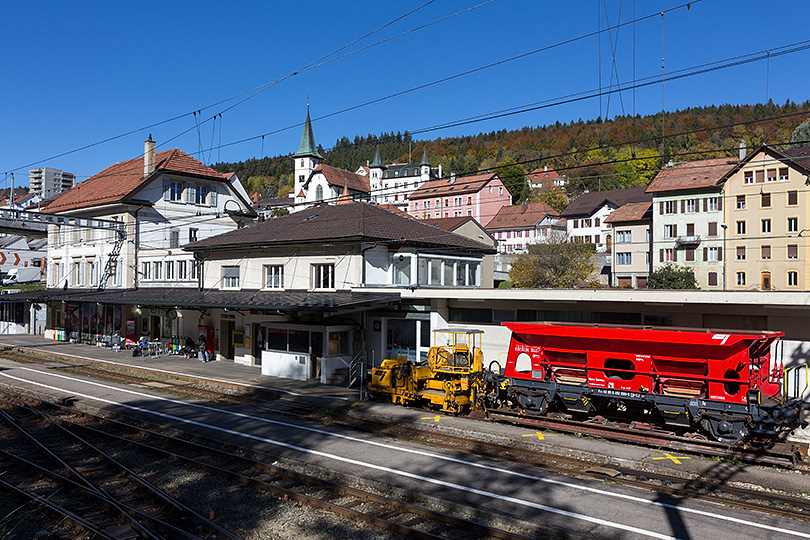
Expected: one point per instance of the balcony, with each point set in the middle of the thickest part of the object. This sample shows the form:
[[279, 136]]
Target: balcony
[[687, 240]]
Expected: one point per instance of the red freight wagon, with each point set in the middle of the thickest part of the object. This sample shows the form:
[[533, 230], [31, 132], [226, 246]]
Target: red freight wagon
[[722, 382]]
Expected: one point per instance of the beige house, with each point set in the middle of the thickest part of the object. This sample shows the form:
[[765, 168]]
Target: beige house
[[767, 216], [688, 218], [631, 228]]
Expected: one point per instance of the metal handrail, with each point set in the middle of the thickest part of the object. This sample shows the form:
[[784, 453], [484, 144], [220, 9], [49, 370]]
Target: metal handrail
[[797, 371]]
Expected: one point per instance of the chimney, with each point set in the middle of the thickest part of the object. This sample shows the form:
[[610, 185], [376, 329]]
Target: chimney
[[743, 150], [452, 177], [148, 156], [440, 170]]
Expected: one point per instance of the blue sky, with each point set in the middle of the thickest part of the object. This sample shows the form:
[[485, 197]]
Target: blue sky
[[77, 73]]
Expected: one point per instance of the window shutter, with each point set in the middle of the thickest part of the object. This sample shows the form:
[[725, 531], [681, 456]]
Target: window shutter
[[713, 228], [675, 230], [705, 205], [720, 202], [719, 254], [213, 197], [661, 252], [191, 193], [662, 208], [683, 206], [705, 254], [674, 255], [167, 189]]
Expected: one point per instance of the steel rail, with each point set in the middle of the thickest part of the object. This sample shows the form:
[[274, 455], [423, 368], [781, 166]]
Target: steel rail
[[383, 517]]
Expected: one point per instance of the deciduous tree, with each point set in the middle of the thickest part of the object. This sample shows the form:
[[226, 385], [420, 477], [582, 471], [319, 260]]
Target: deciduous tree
[[671, 276], [558, 265]]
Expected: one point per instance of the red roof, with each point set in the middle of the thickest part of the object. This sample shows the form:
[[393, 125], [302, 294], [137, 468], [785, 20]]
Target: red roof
[[521, 216], [543, 176], [445, 186], [117, 182], [704, 173], [630, 212], [339, 177]]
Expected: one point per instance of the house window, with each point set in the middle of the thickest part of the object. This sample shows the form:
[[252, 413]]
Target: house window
[[766, 252], [169, 270], [146, 270], [712, 279], [792, 224], [792, 251], [765, 200], [174, 239], [669, 254], [668, 207], [427, 205], [82, 273], [273, 276], [158, 271], [690, 205], [713, 254], [783, 174], [623, 237], [712, 204], [490, 189], [741, 227], [670, 231], [712, 228], [230, 277], [469, 200], [192, 235], [792, 279], [749, 177], [201, 196], [759, 177], [771, 175], [623, 258], [690, 254], [181, 270], [176, 191], [740, 202], [416, 206], [740, 253], [500, 191], [319, 193], [792, 198], [323, 276], [740, 279], [766, 226]]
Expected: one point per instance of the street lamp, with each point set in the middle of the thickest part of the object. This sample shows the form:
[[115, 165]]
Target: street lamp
[[725, 253]]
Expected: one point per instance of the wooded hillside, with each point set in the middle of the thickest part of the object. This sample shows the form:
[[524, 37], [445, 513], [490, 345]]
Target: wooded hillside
[[623, 152]]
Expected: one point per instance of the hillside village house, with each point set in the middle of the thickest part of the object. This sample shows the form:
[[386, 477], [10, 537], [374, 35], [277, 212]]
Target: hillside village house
[[479, 196], [543, 178], [688, 224], [296, 286], [585, 221], [631, 254], [516, 227], [163, 201], [767, 215], [393, 184]]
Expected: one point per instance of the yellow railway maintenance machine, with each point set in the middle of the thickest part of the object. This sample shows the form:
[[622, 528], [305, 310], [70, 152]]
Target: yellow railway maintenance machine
[[450, 380]]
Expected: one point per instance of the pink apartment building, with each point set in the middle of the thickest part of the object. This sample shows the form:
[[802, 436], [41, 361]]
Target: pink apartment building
[[479, 196]]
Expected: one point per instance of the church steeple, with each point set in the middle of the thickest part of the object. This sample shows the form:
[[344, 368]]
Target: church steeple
[[306, 159], [307, 147], [378, 162]]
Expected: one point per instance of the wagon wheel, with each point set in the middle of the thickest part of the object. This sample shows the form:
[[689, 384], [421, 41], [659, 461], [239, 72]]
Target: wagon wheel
[[725, 430]]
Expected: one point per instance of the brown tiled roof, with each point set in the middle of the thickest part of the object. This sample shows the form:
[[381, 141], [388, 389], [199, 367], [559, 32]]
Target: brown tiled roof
[[521, 216], [590, 202], [117, 182], [443, 186], [704, 173], [346, 223], [448, 223], [631, 212], [543, 176], [339, 178], [392, 208]]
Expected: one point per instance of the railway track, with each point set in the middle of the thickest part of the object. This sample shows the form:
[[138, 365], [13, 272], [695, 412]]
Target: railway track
[[713, 489], [397, 517], [778, 454], [75, 481]]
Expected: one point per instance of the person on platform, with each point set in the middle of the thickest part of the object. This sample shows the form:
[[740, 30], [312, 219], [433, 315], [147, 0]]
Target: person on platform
[[201, 353]]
